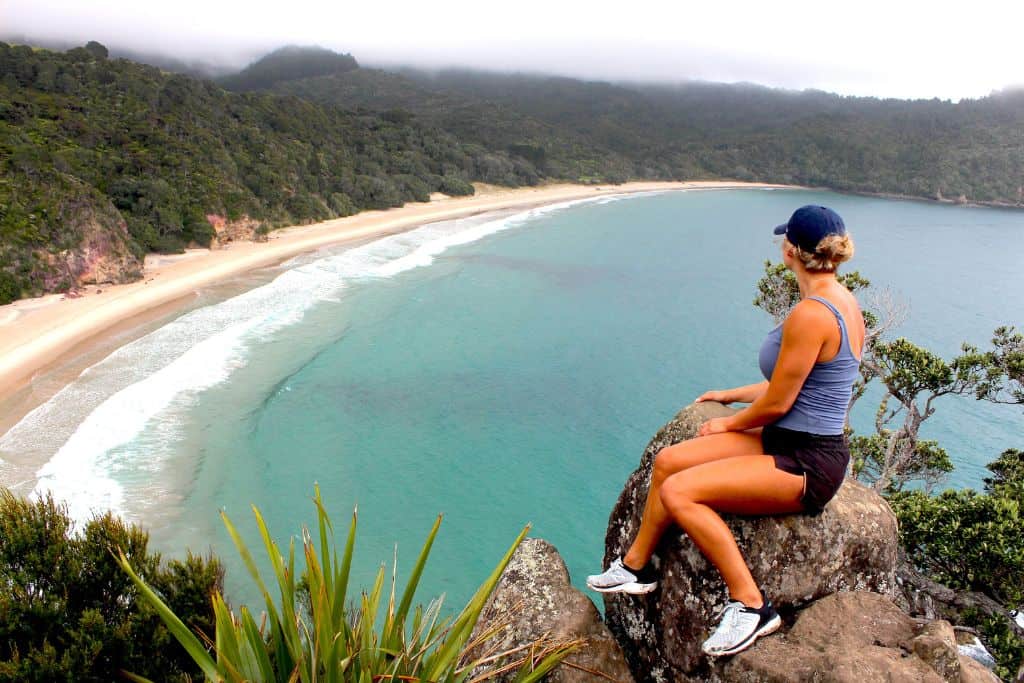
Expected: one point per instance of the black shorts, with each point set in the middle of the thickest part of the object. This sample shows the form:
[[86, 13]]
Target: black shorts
[[821, 459]]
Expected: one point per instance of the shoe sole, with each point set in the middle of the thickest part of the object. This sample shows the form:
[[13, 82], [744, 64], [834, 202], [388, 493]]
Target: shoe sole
[[769, 628], [631, 588]]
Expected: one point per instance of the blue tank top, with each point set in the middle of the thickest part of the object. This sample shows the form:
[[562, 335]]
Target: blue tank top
[[820, 407]]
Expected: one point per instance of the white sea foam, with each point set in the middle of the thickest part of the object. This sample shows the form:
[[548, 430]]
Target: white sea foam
[[977, 651], [92, 426]]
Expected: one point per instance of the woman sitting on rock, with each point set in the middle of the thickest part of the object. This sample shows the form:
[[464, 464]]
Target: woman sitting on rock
[[796, 417]]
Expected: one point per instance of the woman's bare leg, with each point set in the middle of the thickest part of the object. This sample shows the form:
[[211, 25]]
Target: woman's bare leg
[[745, 485], [674, 459]]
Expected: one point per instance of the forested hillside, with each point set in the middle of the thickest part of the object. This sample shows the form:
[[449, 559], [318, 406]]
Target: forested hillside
[[553, 149], [286, 64], [972, 150], [924, 148], [109, 155], [103, 160]]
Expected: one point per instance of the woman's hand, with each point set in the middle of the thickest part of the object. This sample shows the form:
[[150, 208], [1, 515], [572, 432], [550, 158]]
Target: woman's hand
[[715, 395], [715, 425]]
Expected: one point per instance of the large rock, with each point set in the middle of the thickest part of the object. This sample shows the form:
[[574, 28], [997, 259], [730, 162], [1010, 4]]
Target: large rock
[[98, 249], [855, 638], [534, 599], [242, 229], [796, 559]]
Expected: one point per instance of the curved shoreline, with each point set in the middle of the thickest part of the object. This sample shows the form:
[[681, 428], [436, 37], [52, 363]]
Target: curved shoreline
[[36, 334]]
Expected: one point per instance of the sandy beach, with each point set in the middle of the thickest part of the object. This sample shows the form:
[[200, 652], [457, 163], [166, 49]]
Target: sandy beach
[[35, 334]]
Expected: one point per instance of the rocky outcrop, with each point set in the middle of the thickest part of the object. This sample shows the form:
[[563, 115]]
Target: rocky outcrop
[[242, 229], [854, 638], [534, 600], [102, 256], [796, 559], [833, 576]]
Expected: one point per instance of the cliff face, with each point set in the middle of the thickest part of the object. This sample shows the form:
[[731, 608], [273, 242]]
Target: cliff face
[[62, 234], [102, 257], [242, 229]]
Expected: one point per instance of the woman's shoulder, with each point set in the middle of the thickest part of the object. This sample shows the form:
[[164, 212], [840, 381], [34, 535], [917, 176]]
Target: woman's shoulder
[[809, 320], [816, 320], [820, 311], [841, 301], [810, 310]]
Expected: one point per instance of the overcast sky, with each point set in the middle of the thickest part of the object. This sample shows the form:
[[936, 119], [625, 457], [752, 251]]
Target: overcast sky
[[886, 48]]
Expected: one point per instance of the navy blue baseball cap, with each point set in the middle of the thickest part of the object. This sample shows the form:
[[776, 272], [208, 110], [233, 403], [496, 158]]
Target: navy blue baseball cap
[[809, 224]]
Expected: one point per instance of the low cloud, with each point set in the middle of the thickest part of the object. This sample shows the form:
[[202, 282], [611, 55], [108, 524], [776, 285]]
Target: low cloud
[[883, 49]]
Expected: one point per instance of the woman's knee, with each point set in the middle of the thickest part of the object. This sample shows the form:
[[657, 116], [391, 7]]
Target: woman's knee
[[670, 460], [662, 460], [677, 493]]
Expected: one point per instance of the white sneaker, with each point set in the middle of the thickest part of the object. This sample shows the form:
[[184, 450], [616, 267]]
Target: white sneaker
[[739, 627], [618, 579]]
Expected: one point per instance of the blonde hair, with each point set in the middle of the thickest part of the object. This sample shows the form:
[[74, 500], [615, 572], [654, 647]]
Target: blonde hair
[[830, 252]]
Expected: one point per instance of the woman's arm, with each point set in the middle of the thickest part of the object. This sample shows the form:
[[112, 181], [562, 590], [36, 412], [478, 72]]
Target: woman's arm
[[803, 334], [745, 394]]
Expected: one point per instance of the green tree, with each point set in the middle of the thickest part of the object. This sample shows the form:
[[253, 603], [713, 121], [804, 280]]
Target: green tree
[[969, 539], [97, 50], [10, 289], [914, 378], [972, 541], [1005, 380], [68, 612], [452, 185], [81, 135]]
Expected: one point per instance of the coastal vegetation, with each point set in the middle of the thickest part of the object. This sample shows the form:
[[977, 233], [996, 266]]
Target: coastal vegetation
[[94, 604], [160, 158], [313, 634], [287, 64], [970, 541], [69, 613], [604, 132], [156, 155]]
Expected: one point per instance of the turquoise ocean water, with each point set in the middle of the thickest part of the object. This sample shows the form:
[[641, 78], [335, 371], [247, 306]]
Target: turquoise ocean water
[[500, 370]]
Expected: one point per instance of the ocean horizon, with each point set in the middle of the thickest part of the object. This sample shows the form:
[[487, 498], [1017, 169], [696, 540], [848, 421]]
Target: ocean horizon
[[502, 369]]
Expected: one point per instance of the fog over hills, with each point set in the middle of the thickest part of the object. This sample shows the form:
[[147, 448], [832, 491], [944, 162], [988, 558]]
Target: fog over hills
[[881, 49], [216, 58]]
